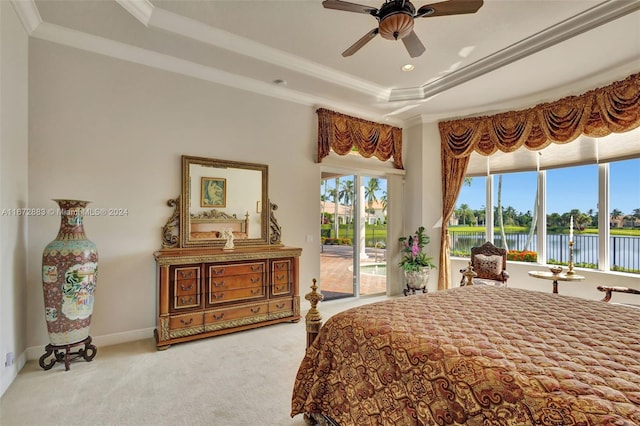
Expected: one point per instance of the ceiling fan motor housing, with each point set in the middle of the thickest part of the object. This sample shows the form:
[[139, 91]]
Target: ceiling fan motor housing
[[396, 19]]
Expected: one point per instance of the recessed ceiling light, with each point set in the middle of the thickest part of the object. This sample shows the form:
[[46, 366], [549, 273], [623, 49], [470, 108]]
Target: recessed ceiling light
[[407, 67]]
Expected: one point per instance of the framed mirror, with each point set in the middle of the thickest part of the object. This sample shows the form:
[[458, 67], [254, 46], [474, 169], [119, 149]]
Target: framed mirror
[[221, 196]]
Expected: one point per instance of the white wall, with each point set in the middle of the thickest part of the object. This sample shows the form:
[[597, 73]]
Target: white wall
[[423, 187], [13, 191], [113, 132]]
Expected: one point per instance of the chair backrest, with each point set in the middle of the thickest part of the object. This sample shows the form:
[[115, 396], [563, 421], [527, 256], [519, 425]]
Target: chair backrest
[[489, 261]]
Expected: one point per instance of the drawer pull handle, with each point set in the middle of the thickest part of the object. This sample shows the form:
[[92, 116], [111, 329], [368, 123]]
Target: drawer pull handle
[[184, 274], [280, 288], [218, 283], [185, 301], [218, 271], [257, 268], [281, 277], [217, 296], [186, 322], [255, 310], [280, 305], [186, 287], [280, 266], [256, 291], [255, 280], [218, 317]]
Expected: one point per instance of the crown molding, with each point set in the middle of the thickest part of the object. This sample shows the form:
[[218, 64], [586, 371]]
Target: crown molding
[[571, 27], [140, 9], [107, 47], [196, 30], [576, 88], [28, 13]]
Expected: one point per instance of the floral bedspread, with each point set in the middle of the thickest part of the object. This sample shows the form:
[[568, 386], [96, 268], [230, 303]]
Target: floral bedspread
[[475, 355]]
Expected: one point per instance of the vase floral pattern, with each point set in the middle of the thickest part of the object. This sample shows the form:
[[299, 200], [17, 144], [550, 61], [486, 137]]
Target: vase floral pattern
[[69, 277]]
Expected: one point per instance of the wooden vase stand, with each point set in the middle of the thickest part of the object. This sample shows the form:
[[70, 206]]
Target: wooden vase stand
[[63, 353], [412, 290]]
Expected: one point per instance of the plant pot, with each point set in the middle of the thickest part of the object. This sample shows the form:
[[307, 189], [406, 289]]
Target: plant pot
[[417, 280]]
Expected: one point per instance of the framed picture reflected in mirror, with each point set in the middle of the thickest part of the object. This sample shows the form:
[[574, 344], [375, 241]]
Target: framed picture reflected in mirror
[[213, 192]]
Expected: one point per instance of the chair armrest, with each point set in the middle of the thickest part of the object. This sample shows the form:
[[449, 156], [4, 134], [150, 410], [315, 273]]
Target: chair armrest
[[609, 290], [505, 275]]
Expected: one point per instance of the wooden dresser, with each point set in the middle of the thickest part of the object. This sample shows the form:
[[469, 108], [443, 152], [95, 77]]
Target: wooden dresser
[[205, 292]]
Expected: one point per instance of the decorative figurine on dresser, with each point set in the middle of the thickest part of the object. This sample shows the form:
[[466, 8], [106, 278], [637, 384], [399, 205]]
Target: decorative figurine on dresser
[[222, 267]]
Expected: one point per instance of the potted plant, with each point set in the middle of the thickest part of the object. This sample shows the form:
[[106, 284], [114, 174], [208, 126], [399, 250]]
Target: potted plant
[[415, 264]]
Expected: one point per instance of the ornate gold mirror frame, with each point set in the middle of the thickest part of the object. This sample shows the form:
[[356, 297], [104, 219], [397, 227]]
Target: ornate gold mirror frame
[[221, 196]]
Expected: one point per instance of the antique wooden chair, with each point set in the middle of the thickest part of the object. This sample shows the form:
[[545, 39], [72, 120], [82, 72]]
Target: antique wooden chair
[[489, 266], [608, 291]]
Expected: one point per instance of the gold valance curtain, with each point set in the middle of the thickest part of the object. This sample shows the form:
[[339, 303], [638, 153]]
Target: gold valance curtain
[[340, 133], [614, 108]]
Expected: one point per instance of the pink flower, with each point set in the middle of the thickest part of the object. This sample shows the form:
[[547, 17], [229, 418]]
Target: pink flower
[[415, 249]]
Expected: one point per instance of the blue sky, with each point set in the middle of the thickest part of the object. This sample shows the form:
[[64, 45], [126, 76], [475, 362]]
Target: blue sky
[[567, 189]]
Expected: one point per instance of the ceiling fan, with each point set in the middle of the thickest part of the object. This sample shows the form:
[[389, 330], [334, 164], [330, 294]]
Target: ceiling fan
[[396, 17]]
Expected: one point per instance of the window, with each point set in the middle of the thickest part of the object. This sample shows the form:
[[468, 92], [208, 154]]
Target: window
[[624, 217], [515, 205], [469, 218], [569, 192], [572, 192]]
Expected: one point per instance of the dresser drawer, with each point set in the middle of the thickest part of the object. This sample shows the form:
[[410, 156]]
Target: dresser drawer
[[185, 279], [283, 305], [185, 287], [229, 314], [224, 296], [221, 270], [232, 282], [186, 321], [281, 277]]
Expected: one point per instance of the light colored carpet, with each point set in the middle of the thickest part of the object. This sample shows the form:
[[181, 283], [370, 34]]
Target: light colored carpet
[[240, 379]]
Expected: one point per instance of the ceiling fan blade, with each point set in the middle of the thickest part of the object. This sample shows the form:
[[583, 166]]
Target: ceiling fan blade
[[349, 7], [358, 44], [413, 44], [451, 7]]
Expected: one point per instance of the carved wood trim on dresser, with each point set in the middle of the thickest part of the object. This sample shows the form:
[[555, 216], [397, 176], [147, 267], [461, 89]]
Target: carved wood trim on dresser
[[204, 292]]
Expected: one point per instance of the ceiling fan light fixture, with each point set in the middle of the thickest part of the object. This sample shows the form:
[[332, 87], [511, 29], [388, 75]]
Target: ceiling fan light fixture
[[396, 26]]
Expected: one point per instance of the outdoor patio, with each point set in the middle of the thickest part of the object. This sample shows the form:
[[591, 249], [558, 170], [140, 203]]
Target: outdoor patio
[[336, 271]]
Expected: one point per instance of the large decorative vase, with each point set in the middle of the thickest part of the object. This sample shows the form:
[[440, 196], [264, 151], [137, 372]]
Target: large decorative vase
[[69, 274], [416, 280]]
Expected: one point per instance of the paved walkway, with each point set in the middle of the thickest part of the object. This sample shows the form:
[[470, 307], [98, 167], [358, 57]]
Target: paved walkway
[[336, 270]]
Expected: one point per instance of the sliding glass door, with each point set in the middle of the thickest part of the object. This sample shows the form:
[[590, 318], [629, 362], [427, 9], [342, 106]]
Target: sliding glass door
[[353, 235]]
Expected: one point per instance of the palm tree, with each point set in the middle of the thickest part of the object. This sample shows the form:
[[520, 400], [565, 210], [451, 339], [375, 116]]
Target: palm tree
[[464, 211], [370, 192], [534, 222], [346, 194], [500, 218], [323, 199], [384, 201], [615, 214]]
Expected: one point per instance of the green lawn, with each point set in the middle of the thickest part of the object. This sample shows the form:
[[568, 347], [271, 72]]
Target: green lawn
[[373, 233]]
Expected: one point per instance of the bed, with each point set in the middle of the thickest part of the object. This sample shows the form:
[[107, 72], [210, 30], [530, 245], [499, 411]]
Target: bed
[[474, 355], [211, 224]]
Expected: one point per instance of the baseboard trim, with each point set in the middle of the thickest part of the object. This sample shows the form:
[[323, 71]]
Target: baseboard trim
[[36, 352]]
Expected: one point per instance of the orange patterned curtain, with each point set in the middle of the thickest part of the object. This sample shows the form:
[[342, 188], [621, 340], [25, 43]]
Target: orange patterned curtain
[[340, 133], [614, 108]]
